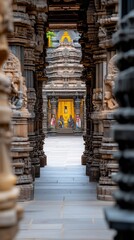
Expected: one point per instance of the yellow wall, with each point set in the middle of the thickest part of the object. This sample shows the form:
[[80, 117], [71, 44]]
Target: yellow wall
[[69, 105]]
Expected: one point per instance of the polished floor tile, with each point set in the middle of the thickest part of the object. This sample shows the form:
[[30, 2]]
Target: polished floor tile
[[65, 204]]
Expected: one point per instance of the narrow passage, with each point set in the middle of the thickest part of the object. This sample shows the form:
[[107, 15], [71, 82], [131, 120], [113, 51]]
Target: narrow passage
[[65, 204]]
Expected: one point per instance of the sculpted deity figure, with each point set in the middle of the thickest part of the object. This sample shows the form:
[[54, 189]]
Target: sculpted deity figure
[[12, 69], [109, 99]]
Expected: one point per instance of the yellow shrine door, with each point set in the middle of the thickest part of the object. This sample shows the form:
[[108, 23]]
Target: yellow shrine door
[[65, 109]]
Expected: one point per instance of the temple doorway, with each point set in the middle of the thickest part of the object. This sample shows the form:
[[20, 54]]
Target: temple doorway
[[65, 114]]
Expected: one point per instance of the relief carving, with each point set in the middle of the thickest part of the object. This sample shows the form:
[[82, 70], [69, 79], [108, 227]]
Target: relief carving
[[109, 99], [12, 69], [10, 213]]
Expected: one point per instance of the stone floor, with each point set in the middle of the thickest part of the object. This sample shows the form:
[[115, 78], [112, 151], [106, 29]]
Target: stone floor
[[65, 204]]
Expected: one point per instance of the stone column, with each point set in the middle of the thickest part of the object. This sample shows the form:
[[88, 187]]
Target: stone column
[[42, 156], [90, 39], [120, 217], [99, 57], [84, 115], [39, 79], [108, 165], [29, 71], [45, 112], [22, 46], [10, 213], [87, 136]]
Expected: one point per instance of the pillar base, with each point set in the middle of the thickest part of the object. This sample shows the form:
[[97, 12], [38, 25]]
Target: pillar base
[[84, 159], [26, 192], [43, 161], [104, 193], [37, 170], [94, 173], [9, 231]]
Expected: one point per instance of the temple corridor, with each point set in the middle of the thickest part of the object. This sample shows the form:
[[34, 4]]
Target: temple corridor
[[65, 204]]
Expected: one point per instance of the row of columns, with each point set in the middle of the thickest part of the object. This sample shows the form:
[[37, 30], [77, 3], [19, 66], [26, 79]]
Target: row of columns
[[99, 146]]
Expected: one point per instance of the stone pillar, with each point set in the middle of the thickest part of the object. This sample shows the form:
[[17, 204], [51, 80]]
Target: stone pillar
[[87, 135], [97, 134], [107, 20], [84, 115], [120, 217], [108, 165], [29, 71], [20, 147], [10, 213], [90, 40], [99, 57], [22, 46], [45, 112], [41, 154], [39, 78]]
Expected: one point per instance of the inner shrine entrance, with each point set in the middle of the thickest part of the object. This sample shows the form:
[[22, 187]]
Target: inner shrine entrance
[[65, 113]]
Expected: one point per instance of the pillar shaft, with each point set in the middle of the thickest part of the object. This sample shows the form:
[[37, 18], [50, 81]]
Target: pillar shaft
[[121, 216], [9, 212]]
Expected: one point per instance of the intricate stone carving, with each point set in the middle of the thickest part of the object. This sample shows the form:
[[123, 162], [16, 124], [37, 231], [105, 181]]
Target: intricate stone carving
[[20, 144], [109, 100], [120, 216], [9, 212], [108, 165], [12, 70]]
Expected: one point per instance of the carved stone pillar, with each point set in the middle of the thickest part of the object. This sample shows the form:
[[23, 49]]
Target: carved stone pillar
[[41, 154], [40, 77], [97, 134], [99, 57], [20, 147], [87, 135], [108, 165], [120, 217], [46, 110], [29, 71], [22, 46], [10, 213]]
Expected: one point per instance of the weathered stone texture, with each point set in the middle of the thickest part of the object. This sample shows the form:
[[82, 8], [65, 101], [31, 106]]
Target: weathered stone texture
[[10, 213]]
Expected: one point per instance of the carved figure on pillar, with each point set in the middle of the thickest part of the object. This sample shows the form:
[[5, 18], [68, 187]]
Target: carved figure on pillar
[[109, 99], [108, 165], [20, 144]]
